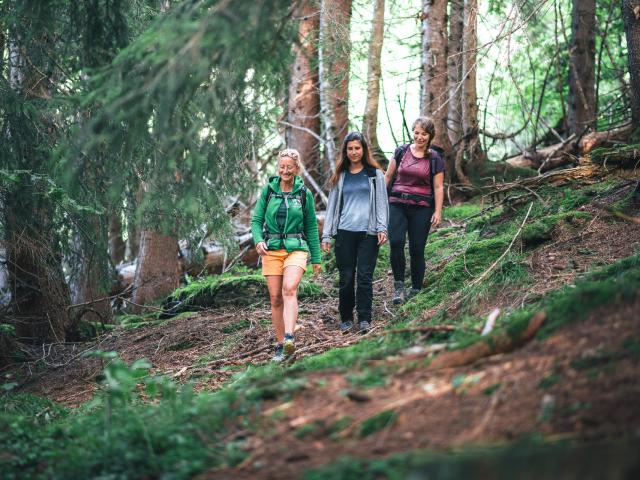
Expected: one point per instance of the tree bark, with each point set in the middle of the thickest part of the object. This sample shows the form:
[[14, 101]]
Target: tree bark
[[631, 18], [435, 93], [157, 269], [475, 157], [456, 29], [334, 61], [117, 246], [39, 292], [582, 52], [303, 115], [92, 275], [374, 72]]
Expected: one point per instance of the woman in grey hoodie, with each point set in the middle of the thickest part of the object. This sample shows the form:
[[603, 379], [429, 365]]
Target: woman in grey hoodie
[[357, 217]]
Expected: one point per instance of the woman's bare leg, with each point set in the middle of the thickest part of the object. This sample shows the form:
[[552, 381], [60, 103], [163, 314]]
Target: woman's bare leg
[[274, 284], [290, 280]]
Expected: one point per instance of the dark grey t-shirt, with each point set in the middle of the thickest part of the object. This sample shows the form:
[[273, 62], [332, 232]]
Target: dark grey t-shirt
[[355, 202]]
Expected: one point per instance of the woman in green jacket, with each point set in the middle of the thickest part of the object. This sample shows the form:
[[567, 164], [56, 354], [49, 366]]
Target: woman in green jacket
[[285, 231]]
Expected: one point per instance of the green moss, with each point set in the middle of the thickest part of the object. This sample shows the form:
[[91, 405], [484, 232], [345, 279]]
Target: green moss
[[462, 211], [541, 230], [309, 429], [631, 346], [339, 425], [491, 389], [230, 289], [368, 378], [549, 381], [525, 459], [377, 422]]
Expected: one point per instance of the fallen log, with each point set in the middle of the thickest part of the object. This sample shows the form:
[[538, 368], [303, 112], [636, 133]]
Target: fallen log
[[498, 342], [567, 151], [623, 156]]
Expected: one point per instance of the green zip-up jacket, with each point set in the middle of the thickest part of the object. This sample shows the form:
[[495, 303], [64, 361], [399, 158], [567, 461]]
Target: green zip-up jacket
[[297, 220]]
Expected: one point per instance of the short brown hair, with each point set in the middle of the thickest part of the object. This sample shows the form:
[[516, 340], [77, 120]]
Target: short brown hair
[[428, 125]]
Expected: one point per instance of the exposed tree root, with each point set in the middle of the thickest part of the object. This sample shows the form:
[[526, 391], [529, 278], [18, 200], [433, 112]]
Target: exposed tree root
[[499, 342]]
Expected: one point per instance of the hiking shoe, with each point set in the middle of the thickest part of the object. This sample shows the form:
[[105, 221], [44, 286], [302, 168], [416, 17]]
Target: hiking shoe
[[364, 326], [412, 293], [279, 356], [398, 292], [289, 346], [346, 326]]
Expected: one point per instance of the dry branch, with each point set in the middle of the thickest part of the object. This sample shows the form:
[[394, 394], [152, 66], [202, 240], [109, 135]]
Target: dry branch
[[499, 342]]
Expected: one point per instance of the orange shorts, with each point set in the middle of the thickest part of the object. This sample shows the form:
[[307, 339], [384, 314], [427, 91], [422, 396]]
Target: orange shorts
[[275, 261]]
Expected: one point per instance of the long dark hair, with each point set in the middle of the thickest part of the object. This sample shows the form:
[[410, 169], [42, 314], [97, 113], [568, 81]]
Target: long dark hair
[[343, 161]]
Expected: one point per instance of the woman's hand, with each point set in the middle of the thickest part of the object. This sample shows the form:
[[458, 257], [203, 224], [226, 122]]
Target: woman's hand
[[261, 248], [436, 218], [326, 247], [317, 268], [382, 237]]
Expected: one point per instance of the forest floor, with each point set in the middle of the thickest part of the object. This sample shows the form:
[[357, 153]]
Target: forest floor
[[578, 381]]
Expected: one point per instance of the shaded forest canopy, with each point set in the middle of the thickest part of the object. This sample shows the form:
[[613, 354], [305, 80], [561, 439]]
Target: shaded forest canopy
[[135, 135]]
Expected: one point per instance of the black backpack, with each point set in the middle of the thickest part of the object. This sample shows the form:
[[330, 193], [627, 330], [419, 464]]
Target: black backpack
[[398, 155], [301, 195]]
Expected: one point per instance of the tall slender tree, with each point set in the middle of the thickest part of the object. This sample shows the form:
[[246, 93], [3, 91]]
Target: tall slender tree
[[435, 92], [631, 18], [335, 54], [374, 72], [303, 117], [39, 293], [158, 264], [456, 29], [473, 151], [582, 51]]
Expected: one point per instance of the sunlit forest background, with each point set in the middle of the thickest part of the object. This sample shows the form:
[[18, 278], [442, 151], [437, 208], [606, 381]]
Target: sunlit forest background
[[134, 139]]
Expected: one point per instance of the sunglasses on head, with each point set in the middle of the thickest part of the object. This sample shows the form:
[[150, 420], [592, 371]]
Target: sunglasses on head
[[288, 153]]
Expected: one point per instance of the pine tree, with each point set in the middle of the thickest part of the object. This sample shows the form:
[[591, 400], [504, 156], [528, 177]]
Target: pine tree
[[582, 52], [374, 73]]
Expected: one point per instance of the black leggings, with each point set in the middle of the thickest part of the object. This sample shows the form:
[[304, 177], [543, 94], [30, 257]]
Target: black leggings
[[417, 221], [356, 255]]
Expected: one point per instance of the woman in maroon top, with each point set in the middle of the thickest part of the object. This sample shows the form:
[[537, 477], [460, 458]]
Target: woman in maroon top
[[415, 180]]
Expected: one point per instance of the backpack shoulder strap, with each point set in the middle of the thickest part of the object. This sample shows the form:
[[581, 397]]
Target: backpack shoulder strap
[[371, 171], [269, 195], [303, 197], [398, 155]]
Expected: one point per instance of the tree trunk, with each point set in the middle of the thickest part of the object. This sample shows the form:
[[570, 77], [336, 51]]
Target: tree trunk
[[39, 292], [157, 269], [475, 157], [370, 117], [631, 18], [303, 131], [117, 246], [435, 93], [334, 62], [92, 275], [456, 29], [582, 98]]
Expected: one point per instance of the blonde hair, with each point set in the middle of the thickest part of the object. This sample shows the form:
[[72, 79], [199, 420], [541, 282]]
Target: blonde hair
[[291, 153]]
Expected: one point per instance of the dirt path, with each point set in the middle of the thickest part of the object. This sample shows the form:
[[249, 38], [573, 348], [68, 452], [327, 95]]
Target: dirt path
[[582, 383]]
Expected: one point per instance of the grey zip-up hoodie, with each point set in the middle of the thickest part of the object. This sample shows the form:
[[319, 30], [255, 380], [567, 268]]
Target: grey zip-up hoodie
[[378, 203]]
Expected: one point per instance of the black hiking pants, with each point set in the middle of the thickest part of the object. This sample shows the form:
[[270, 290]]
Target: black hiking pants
[[415, 220], [356, 255]]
